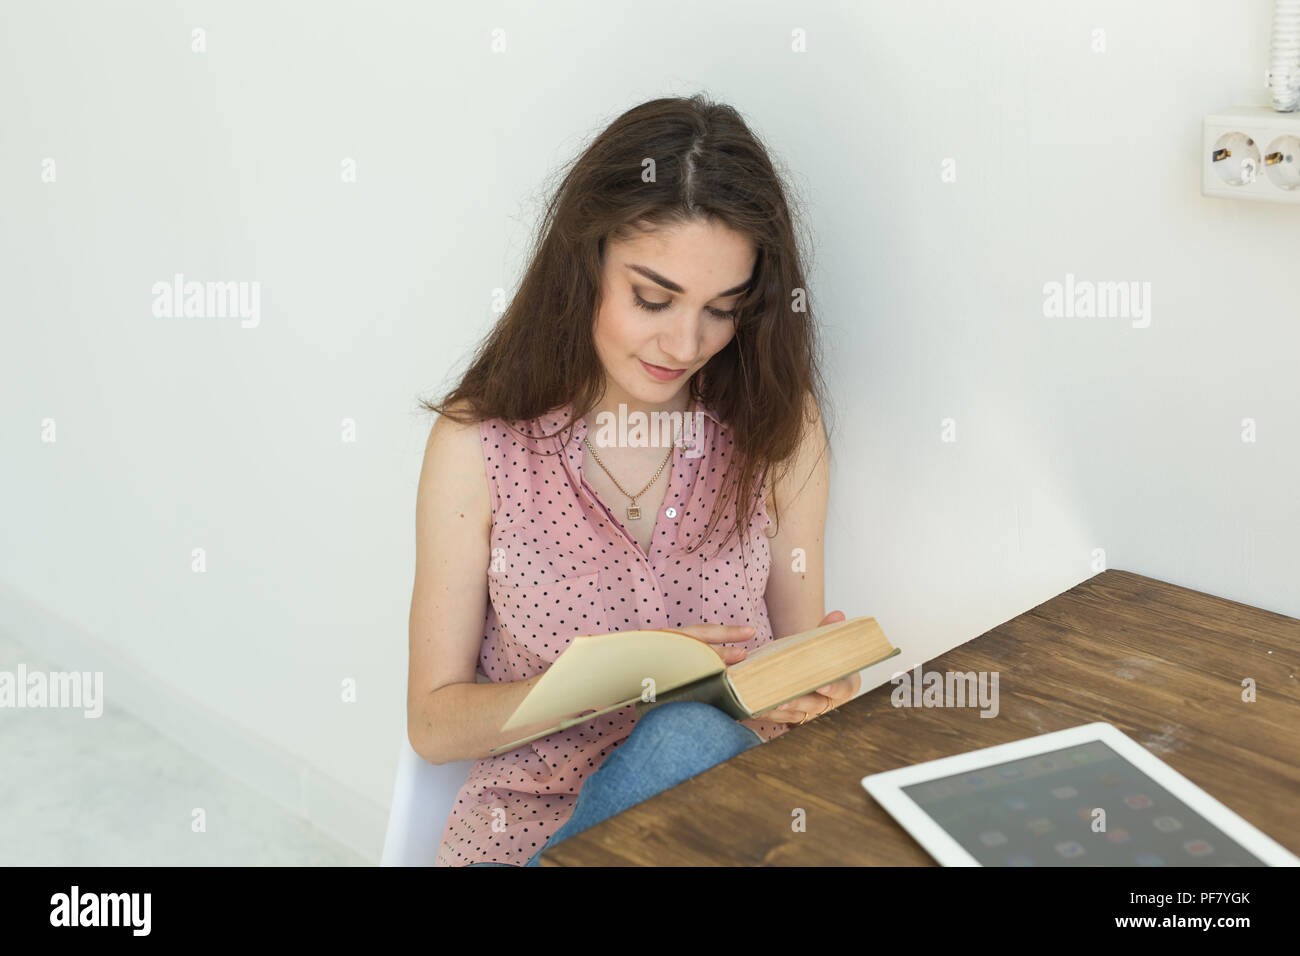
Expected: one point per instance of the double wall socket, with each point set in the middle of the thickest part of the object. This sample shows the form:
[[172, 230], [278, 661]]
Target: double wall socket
[[1251, 152]]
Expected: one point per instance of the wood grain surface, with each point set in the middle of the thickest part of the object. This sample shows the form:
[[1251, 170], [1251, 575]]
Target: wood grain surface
[[1162, 663]]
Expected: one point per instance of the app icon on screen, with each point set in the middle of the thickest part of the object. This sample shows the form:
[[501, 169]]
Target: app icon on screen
[[1167, 824], [1118, 835], [1040, 825], [1198, 847], [1149, 859], [1015, 803], [1064, 793], [1138, 801], [993, 838], [1069, 849]]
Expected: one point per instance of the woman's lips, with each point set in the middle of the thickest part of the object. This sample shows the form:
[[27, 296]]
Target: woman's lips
[[661, 373]]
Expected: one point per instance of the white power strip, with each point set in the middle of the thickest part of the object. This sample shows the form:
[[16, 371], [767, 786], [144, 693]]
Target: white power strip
[[1251, 152]]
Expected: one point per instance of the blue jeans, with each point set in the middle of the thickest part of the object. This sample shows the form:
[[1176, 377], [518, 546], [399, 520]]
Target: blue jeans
[[671, 743]]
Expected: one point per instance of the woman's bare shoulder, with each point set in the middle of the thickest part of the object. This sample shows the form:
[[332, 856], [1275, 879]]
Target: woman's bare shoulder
[[454, 469]]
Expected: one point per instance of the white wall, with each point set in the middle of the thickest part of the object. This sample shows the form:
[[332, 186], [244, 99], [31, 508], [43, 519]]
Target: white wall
[[175, 434]]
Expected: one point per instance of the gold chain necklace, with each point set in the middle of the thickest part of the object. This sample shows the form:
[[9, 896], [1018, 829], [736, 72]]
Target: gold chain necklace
[[633, 512]]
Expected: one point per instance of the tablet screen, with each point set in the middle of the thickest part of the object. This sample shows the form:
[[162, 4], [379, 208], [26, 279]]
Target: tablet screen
[[1038, 811]]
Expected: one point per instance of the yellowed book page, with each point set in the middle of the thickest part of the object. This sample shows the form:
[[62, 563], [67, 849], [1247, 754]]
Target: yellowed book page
[[792, 666], [781, 643], [597, 670]]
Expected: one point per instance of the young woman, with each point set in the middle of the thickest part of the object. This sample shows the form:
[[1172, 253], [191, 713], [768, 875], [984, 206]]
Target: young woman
[[666, 278]]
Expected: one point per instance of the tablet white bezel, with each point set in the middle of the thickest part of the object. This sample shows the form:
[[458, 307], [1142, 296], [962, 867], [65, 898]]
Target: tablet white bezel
[[886, 789]]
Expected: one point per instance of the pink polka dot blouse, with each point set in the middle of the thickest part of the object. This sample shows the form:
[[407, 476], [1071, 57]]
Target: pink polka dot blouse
[[563, 564]]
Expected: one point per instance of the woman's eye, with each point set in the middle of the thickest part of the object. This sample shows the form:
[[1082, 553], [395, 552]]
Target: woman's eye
[[650, 306], [660, 306]]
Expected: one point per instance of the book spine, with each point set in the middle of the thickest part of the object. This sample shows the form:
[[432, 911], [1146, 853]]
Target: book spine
[[713, 690]]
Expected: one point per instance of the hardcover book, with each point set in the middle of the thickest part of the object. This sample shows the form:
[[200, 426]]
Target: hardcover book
[[598, 673]]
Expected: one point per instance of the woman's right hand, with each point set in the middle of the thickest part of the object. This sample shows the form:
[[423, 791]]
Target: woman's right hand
[[718, 635]]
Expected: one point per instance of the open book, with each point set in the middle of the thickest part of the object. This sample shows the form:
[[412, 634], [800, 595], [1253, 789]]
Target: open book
[[598, 673]]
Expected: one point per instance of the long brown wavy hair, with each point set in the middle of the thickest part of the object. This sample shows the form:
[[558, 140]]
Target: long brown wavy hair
[[708, 165]]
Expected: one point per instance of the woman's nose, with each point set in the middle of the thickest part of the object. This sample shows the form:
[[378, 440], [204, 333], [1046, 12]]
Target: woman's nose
[[680, 341]]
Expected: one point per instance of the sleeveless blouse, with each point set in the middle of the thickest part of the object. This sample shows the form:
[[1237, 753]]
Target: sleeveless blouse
[[561, 565]]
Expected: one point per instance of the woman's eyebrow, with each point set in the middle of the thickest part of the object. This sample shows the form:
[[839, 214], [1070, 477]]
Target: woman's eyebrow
[[672, 286]]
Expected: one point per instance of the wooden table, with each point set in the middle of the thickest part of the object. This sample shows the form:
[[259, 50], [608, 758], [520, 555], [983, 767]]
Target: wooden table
[[1162, 663]]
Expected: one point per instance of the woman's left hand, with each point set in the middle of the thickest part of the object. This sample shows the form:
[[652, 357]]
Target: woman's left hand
[[822, 700]]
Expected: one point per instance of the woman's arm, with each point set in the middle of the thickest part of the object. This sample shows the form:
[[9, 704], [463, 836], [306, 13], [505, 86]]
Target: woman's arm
[[449, 716], [796, 583]]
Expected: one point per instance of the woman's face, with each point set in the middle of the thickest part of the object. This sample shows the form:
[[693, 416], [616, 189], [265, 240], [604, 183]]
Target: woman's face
[[665, 302]]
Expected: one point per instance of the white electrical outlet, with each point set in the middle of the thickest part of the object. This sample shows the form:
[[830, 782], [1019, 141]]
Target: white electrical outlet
[[1251, 152]]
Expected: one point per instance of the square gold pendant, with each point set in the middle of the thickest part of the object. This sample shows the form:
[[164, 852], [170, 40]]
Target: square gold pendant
[[633, 512]]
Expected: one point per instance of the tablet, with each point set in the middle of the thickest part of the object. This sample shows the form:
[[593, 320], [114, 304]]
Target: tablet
[[1086, 796]]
